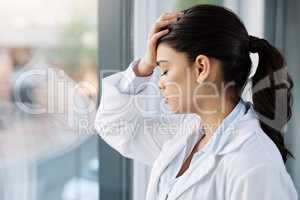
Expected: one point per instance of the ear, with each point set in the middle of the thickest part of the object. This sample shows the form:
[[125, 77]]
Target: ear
[[203, 67]]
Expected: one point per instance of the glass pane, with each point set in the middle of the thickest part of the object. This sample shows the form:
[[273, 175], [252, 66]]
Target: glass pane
[[184, 4], [48, 75]]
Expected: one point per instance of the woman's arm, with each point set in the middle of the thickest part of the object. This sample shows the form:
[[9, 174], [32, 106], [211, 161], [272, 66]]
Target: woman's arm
[[120, 119], [121, 122]]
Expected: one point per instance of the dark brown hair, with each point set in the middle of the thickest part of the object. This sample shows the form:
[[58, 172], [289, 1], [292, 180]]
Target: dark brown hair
[[217, 32]]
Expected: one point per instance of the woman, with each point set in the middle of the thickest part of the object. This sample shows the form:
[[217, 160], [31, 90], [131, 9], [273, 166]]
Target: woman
[[214, 145]]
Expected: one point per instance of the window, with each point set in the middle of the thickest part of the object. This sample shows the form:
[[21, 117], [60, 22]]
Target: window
[[182, 4], [282, 17], [47, 50]]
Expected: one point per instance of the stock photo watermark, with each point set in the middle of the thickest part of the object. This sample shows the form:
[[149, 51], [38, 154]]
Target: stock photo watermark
[[56, 94]]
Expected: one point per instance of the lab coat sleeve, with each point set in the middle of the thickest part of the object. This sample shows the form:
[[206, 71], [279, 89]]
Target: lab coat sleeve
[[264, 183], [120, 120]]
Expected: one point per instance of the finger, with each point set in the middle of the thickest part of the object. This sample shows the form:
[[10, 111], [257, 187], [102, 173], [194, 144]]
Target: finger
[[158, 26], [162, 24], [172, 15], [158, 35], [163, 21]]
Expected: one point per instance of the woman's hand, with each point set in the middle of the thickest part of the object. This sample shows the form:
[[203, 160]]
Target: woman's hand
[[148, 62]]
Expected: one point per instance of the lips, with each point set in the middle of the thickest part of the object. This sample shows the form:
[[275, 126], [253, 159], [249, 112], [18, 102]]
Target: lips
[[165, 98]]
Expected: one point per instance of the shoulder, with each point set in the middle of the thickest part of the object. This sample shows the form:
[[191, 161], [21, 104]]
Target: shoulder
[[258, 154], [256, 168]]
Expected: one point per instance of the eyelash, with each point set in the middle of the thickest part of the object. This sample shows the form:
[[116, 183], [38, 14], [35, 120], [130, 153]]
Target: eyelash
[[165, 72]]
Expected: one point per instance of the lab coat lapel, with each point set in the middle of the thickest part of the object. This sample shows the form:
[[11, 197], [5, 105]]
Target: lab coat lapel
[[160, 165], [169, 152], [231, 140], [202, 171]]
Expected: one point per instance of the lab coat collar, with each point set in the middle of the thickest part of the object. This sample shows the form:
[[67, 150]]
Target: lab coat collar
[[231, 139], [224, 128]]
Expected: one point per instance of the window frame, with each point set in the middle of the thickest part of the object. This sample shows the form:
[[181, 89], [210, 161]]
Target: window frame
[[281, 18], [115, 53]]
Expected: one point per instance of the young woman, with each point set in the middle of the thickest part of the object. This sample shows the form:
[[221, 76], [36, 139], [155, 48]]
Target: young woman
[[214, 145]]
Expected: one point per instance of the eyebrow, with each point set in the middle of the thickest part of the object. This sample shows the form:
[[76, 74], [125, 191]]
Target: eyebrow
[[161, 61]]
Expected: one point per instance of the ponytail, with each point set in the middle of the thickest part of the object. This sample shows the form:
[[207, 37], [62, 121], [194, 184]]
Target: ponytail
[[272, 97]]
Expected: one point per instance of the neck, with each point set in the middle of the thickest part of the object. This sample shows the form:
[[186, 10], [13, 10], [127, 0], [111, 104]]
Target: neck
[[216, 111]]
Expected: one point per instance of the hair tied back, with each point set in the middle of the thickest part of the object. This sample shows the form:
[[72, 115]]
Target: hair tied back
[[256, 44]]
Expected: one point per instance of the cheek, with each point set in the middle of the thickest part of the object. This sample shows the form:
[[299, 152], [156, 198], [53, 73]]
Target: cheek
[[173, 88], [177, 83], [179, 99]]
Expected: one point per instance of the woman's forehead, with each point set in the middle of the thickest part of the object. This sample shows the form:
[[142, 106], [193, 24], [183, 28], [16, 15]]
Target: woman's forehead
[[159, 62]]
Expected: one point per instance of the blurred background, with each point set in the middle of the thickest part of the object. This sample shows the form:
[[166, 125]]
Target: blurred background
[[42, 155], [52, 56]]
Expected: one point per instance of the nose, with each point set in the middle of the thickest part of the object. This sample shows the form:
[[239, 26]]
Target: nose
[[161, 85]]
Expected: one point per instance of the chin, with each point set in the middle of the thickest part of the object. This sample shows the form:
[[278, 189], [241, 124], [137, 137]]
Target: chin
[[176, 109], [182, 111]]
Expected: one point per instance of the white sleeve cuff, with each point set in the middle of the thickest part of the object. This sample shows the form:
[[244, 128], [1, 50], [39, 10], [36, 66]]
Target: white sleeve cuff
[[130, 83]]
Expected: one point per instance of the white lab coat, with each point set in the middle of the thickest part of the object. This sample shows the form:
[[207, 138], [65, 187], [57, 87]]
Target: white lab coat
[[246, 165]]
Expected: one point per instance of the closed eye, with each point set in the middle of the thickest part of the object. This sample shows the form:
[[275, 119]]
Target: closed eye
[[164, 73]]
